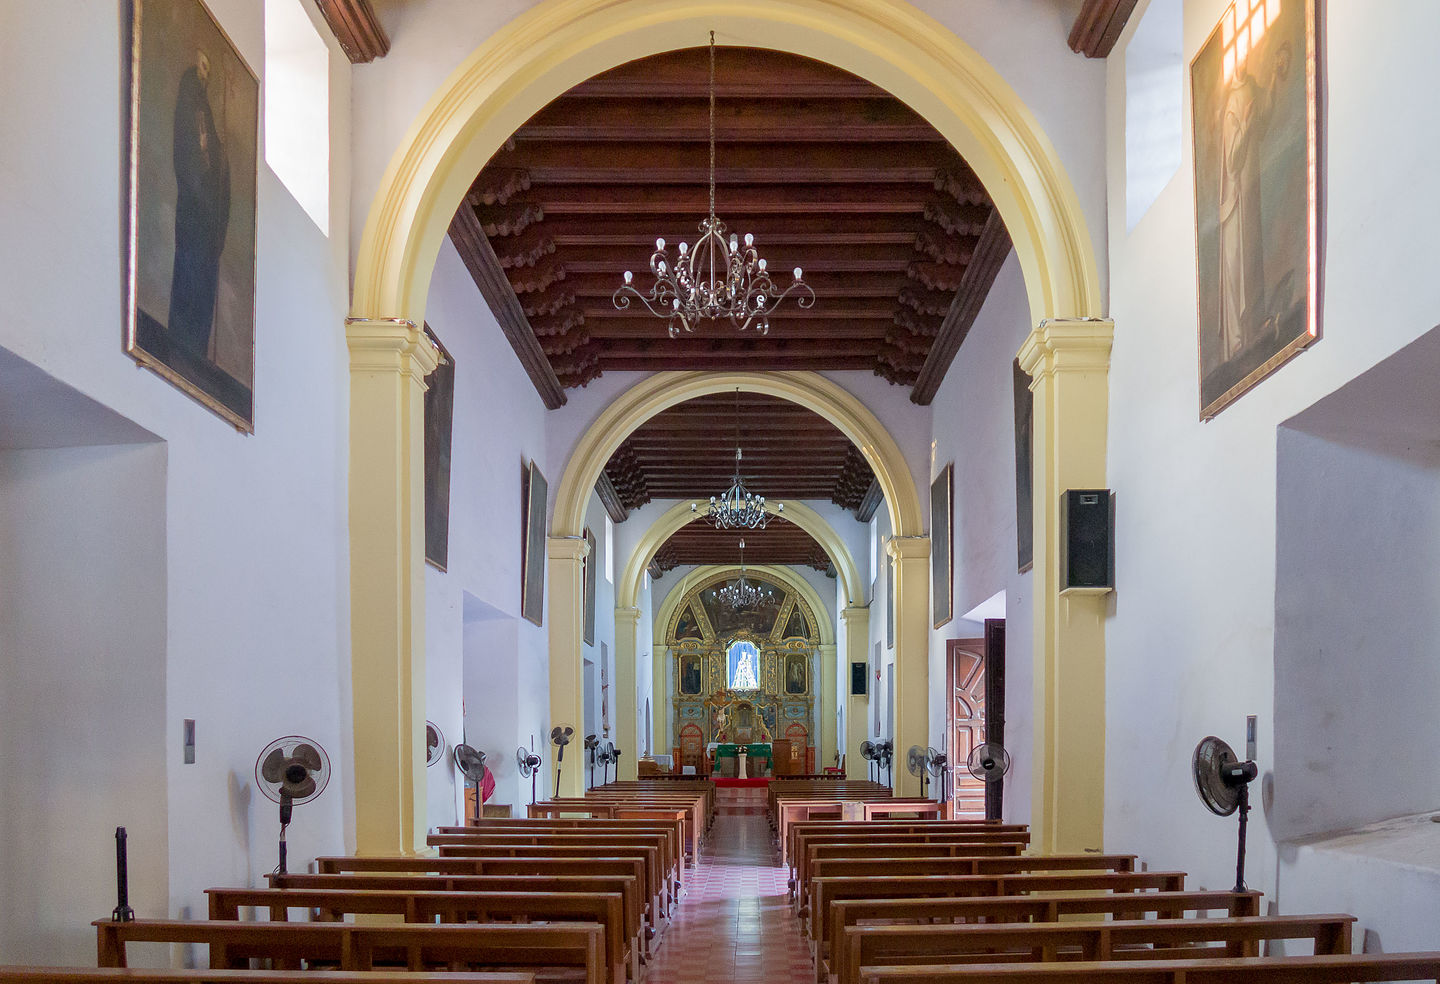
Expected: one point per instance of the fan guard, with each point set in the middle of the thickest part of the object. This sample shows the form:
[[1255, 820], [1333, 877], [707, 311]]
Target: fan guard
[[1213, 757], [470, 762], [293, 764], [988, 761], [434, 743]]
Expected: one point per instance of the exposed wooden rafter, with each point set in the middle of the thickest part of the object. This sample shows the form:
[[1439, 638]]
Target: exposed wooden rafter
[[870, 503], [980, 274], [480, 259], [1098, 25], [610, 499], [356, 28]]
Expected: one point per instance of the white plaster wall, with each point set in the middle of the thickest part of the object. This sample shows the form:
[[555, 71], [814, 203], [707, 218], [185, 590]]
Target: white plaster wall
[[82, 693], [257, 624], [499, 424], [879, 694], [1191, 637], [645, 684], [444, 696], [975, 429]]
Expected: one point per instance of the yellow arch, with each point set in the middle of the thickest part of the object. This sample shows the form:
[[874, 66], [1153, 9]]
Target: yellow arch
[[667, 523], [777, 575], [560, 43], [665, 389]]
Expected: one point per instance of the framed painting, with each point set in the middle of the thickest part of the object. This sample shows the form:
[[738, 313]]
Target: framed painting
[[590, 562], [796, 673], [193, 117], [439, 418], [533, 495], [1024, 470], [690, 674], [942, 545], [1255, 86]]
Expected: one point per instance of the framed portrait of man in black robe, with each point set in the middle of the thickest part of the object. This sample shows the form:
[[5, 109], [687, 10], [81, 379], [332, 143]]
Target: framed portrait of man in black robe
[[193, 136]]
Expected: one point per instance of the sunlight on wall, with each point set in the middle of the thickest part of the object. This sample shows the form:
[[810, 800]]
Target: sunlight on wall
[[1154, 85], [297, 107]]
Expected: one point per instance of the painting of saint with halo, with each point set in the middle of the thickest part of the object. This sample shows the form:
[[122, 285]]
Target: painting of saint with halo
[[1256, 138]]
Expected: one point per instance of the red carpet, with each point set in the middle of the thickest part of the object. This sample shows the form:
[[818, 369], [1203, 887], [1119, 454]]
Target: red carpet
[[743, 783]]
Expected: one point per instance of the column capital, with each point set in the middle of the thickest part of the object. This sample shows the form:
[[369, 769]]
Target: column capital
[[852, 613], [1061, 344], [566, 547], [625, 615], [908, 547], [390, 344]]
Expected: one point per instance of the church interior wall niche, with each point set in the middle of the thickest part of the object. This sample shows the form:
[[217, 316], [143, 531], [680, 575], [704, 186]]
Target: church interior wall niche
[[1255, 85], [193, 134], [742, 678]]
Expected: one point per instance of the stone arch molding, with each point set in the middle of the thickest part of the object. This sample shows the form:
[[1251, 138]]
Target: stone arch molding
[[677, 516]]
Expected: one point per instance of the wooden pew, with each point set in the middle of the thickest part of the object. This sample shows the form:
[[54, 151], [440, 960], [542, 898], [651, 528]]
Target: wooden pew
[[825, 890], [592, 809], [897, 830], [1232, 970], [868, 946], [351, 946], [666, 843], [673, 822], [848, 913], [652, 874], [815, 846], [951, 863], [332, 905], [628, 887], [114, 975]]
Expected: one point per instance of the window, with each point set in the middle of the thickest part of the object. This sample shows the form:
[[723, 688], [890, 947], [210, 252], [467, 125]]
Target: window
[[609, 550], [297, 107], [743, 660], [1154, 87]]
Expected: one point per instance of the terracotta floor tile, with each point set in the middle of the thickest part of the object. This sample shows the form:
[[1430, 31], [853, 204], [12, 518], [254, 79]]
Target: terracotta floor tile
[[734, 925]]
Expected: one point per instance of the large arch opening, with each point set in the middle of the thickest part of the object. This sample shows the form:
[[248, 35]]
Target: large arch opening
[[516, 72]]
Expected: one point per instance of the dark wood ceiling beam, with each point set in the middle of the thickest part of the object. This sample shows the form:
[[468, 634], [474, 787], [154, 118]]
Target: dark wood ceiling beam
[[587, 287], [610, 499], [820, 255], [975, 285], [355, 26], [857, 308], [870, 502], [731, 205], [767, 120], [739, 73], [845, 157], [484, 266], [663, 363], [818, 227], [1098, 26]]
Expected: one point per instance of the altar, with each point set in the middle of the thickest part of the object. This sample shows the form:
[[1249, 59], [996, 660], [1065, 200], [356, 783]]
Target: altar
[[753, 760]]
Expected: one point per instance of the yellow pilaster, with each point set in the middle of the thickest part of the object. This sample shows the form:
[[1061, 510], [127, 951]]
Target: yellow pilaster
[[567, 639], [627, 622], [1069, 364], [825, 709], [911, 557], [389, 360], [856, 619], [660, 701]]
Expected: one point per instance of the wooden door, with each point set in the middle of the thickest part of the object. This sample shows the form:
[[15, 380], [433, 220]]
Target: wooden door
[[965, 721]]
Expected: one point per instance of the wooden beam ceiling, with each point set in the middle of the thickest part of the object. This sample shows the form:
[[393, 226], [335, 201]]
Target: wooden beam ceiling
[[1098, 26], [830, 173], [781, 543], [688, 452]]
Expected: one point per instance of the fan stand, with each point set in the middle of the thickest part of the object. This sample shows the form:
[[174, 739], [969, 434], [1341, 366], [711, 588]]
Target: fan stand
[[1240, 851], [592, 768], [123, 912], [287, 810], [479, 794]]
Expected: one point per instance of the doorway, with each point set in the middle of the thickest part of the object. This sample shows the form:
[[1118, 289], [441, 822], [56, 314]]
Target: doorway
[[974, 714]]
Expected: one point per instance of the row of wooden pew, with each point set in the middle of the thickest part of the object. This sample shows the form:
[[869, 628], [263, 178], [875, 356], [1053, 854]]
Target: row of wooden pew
[[885, 901], [571, 895]]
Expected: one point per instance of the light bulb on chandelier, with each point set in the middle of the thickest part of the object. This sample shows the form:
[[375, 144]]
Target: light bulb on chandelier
[[716, 280], [740, 595], [737, 508]]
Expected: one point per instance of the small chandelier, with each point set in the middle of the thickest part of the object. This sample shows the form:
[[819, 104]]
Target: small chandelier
[[738, 508], [717, 280], [740, 595]]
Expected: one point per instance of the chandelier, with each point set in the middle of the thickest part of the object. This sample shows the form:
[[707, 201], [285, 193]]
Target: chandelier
[[738, 508], [740, 594], [717, 279]]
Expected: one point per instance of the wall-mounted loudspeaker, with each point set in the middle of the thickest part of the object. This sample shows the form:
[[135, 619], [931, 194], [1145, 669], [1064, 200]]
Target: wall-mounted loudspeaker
[[1087, 528], [859, 674]]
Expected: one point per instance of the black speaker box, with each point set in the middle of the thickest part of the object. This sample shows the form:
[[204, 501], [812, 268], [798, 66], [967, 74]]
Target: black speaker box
[[859, 675], [1087, 530]]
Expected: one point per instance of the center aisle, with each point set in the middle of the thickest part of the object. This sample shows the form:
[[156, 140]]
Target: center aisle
[[735, 925]]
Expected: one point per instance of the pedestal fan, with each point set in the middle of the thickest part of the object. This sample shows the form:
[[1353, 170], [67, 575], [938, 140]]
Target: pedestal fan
[[291, 771], [1223, 782], [560, 737], [529, 764], [471, 763]]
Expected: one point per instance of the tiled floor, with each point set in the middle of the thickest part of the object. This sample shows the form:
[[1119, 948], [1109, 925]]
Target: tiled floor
[[735, 924]]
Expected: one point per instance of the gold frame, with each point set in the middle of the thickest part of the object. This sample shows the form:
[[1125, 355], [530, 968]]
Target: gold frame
[[1313, 29], [947, 477], [132, 344]]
